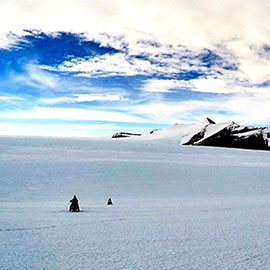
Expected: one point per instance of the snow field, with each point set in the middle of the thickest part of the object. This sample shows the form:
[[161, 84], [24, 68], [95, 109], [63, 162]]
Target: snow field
[[174, 207]]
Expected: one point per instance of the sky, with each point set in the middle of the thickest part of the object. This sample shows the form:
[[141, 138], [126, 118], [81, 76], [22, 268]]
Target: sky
[[83, 68]]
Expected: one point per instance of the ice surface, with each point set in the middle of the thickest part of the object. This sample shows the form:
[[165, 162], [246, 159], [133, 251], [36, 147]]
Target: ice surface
[[175, 207]]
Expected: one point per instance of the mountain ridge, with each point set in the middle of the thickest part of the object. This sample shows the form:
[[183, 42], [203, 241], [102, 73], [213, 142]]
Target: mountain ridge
[[210, 133]]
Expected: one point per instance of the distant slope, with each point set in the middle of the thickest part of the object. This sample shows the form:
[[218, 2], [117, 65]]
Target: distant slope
[[209, 133]]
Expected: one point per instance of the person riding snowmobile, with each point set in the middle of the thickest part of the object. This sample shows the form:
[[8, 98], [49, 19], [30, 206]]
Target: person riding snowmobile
[[74, 207]]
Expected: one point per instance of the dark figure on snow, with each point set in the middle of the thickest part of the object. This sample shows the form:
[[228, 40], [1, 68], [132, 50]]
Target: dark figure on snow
[[109, 202], [74, 207]]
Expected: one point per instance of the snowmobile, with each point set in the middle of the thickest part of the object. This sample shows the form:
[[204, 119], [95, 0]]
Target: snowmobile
[[74, 207], [109, 202]]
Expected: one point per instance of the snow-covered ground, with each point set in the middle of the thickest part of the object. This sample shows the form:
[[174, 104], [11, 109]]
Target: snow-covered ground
[[175, 207]]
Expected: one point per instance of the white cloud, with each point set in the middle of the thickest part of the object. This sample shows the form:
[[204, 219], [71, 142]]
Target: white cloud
[[35, 76], [109, 65], [7, 98], [57, 100], [253, 65], [174, 112], [228, 83], [208, 85], [83, 98], [249, 108], [72, 114], [98, 97], [162, 86], [40, 77], [10, 40], [242, 108], [213, 85], [145, 59]]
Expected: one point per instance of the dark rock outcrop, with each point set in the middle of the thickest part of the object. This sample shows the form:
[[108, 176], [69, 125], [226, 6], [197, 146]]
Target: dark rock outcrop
[[210, 120], [234, 136], [154, 130], [125, 135]]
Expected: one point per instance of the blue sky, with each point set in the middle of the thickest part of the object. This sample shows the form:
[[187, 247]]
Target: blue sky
[[98, 67]]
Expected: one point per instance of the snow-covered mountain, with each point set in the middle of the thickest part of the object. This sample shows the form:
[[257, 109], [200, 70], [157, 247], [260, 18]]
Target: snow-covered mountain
[[209, 133]]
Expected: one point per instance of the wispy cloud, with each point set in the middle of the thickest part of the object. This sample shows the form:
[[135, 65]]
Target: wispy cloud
[[96, 97], [118, 64], [40, 77], [83, 98], [7, 98], [72, 114], [156, 59], [35, 77], [163, 86]]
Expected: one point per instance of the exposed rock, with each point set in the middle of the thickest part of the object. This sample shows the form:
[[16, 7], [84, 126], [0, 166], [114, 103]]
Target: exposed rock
[[210, 120], [154, 130], [234, 136], [125, 135]]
